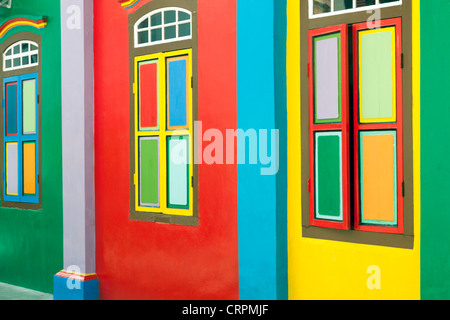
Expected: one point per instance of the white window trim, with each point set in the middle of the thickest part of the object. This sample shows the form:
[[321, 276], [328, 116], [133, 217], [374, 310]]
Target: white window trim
[[161, 26], [20, 55], [377, 5]]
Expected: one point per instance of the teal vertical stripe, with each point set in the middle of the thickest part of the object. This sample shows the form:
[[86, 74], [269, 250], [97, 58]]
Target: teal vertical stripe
[[261, 105]]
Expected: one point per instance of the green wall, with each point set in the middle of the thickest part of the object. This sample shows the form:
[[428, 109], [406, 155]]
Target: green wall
[[31, 242], [435, 150]]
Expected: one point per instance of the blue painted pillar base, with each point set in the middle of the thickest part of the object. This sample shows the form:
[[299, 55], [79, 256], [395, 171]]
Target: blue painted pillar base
[[72, 286]]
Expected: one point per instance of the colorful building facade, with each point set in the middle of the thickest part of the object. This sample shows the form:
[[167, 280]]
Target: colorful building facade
[[235, 149]]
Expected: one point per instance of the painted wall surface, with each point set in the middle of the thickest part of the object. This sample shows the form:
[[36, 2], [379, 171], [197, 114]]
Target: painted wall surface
[[261, 106], [435, 263], [144, 260], [77, 82], [322, 269], [31, 241]]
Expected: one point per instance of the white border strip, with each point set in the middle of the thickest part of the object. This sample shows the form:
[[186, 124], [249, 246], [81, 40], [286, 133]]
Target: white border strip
[[377, 5]]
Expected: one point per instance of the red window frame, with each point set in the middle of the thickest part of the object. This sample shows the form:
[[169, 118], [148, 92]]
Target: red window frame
[[343, 127], [397, 126]]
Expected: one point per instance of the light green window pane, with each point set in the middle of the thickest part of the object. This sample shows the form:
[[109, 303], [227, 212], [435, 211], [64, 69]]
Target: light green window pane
[[25, 60], [16, 62], [16, 49], [8, 63], [25, 47], [29, 106], [377, 75]]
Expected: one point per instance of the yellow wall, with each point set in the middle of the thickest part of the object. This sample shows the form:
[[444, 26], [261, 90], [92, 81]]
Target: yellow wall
[[322, 269]]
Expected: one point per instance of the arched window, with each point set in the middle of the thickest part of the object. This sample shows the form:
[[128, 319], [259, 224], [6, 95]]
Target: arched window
[[21, 143], [22, 54], [163, 25], [163, 108]]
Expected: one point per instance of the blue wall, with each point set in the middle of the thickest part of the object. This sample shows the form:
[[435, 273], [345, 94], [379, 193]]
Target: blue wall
[[261, 96]]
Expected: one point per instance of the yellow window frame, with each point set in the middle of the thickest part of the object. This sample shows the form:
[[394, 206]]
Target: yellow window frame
[[163, 132]]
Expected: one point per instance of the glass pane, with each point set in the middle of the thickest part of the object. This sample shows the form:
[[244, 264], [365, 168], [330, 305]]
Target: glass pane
[[142, 37], [25, 60], [34, 58], [343, 5], [363, 3], [9, 52], [8, 63], [156, 34], [170, 32], [33, 47], [143, 24], [16, 49], [170, 16], [321, 6], [16, 62], [25, 47], [388, 1], [184, 30], [183, 16], [156, 19]]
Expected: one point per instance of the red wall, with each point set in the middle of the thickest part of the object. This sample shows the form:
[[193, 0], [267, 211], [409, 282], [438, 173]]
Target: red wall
[[144, 260]]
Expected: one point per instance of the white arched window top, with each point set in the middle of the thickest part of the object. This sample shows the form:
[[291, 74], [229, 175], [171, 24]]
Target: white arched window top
[[163, 25], [22, 54]]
